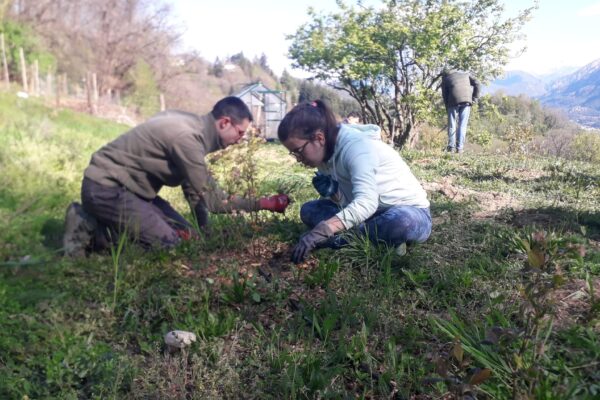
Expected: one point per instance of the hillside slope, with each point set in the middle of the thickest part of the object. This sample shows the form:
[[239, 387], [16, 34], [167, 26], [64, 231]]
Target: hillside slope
[[513, 234]]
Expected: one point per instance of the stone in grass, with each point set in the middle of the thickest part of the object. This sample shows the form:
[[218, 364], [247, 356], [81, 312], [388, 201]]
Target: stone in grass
[[179, 339]]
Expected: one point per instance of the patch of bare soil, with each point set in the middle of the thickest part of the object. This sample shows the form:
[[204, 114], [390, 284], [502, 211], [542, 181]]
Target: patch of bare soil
[[260, 259], [524, 174], [534, 218], [490, 202], [573, 303]]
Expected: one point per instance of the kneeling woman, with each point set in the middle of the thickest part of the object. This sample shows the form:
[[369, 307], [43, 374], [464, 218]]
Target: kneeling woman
[[365, 184]]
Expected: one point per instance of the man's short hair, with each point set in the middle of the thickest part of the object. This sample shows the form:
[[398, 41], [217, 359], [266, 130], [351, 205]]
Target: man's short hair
[[232, 107], [353, 114]]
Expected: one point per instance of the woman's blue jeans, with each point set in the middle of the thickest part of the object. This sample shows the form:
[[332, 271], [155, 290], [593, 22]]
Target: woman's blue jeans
[[393, 226]]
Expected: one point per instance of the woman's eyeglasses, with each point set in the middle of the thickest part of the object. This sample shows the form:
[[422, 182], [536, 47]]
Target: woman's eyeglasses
[[298, 152]]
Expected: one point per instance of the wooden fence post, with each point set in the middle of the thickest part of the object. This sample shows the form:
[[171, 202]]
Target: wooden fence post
[[95, 95], [4, 62], [88, 92], [162, 102], [23, 69], [36, 78], [48, 88], [58, 79], [90, 96], [65, 89]]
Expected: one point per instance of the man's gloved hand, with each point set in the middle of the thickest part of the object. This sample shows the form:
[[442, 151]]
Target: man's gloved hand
[[277, 203], [188, 234], [310, 240], [325, 184]]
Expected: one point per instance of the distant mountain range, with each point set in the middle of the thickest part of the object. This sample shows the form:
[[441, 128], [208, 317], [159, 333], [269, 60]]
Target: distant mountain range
[[515, 83], [577, 92]]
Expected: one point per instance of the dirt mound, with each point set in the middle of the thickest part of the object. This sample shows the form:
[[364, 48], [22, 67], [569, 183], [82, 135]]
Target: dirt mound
[[573, 303], [490, 202]]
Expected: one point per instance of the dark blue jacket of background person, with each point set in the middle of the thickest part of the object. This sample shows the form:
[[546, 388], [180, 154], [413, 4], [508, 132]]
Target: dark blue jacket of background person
[[459, 88]]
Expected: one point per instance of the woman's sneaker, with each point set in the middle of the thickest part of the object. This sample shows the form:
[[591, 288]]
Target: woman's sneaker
[[79, 230]]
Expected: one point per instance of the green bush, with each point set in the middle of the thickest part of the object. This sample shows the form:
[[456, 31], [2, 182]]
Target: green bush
[[20, 36], [145, 93], [431, 138], [586, 147]]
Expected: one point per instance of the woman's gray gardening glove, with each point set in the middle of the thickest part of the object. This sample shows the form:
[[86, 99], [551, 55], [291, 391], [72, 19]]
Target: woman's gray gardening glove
[[319, 234], [325, 184]]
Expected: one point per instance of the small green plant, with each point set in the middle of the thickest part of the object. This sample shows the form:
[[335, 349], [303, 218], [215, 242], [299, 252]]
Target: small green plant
[[524, 349], [323, 273], [210, 324], [240, 289], [304, 375], [369, 257], [518, 136], [517, 355], [115, 254]]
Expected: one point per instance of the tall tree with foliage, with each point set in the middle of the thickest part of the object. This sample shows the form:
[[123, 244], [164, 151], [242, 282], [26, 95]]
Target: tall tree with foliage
[[106, 37], [144, 94], [390, 59]]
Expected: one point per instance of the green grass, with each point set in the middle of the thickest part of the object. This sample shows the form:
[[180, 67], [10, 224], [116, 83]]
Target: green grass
[[357, 323]]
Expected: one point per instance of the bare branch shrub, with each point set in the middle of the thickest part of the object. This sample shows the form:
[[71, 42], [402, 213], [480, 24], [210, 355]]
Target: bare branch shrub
[[554, 143]]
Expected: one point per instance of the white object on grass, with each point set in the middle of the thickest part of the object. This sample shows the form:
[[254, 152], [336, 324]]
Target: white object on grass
[[401, 249], [179, 339]]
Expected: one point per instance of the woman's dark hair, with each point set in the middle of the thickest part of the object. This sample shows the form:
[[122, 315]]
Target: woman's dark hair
[[304, 120]]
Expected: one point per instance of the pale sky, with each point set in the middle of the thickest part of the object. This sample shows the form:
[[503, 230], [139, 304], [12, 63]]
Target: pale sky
[[561, 34]]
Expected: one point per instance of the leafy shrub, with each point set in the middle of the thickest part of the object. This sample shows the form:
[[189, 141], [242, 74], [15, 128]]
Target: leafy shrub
[[586, 147], [430, 137], [18, 36], [145, 94], [484, 119], [518, 136]]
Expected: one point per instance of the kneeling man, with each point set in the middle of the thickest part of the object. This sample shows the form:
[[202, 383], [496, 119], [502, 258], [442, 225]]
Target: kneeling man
[[119, 192]]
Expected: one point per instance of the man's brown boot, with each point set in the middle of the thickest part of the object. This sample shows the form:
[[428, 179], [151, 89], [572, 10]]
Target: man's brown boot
[[79, 230]]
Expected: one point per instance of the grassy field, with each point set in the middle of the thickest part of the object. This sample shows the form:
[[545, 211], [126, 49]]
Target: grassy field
[[501, 302]]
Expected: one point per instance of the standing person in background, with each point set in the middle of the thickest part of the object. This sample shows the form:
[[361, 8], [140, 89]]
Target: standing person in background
[[365, 183], [353, 117], [459, 91], [120, 187]]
